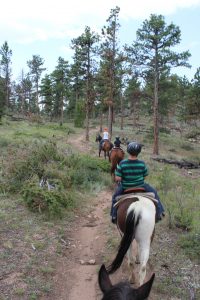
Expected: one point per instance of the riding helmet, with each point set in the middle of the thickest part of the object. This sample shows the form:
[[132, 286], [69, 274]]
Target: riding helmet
[[134, 148]]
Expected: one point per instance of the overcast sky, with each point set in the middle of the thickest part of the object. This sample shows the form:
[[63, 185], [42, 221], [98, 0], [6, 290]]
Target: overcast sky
[[46, 27]]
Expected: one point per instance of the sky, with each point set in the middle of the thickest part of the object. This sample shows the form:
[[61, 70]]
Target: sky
[[46, 27]]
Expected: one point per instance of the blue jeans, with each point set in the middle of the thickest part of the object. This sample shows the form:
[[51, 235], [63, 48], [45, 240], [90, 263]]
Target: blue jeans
[[119, 191], [148, 188]]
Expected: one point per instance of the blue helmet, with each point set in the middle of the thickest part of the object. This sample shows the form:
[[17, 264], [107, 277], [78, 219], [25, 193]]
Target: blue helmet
[[134, 148]]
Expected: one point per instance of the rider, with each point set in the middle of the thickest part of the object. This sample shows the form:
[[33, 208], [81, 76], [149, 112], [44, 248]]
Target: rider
[[131, 173], [105, 137], [117, 142]]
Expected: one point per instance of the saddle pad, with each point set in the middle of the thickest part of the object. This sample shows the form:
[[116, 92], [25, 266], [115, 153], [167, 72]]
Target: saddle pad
[[122, 198]]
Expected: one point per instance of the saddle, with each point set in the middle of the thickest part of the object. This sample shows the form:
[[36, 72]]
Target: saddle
[[133, 194], [117, 148]]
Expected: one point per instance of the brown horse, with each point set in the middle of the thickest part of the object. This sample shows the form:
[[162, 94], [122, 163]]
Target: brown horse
[[116, 155], [106, 146]]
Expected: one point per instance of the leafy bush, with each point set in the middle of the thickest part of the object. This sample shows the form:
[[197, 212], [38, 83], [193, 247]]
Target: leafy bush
[[51, 202], [41, 160], [28, 161]]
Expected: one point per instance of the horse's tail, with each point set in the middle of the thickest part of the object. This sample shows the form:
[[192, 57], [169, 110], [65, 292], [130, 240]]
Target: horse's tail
[[132, 221]]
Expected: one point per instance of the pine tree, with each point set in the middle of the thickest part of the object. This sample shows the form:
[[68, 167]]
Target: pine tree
[[109, 60], [5, 68], [35, 66], [152, 52], [86, 50]]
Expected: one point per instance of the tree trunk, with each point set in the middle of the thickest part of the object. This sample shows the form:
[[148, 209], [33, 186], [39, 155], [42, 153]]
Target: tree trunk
[[61, 112], [110, 120], [122, 112], [101, 122], [87, 124], [155, 109]]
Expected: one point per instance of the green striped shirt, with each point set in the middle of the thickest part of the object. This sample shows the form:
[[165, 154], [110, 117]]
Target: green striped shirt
[[132, 173]]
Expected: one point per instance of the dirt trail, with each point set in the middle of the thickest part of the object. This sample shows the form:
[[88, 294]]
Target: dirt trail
[[76, 274]]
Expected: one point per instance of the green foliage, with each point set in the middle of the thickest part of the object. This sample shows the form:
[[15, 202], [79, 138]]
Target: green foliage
[[190, 242], [65, 174], [28, 161], [51, 202], [79, 114]]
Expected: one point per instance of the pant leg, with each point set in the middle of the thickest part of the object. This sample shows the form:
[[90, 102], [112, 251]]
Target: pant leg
[[159, 206], [118, 192], [100, 144]]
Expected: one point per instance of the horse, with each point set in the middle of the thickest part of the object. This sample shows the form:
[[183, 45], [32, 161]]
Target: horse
[[106, 146], [122, 290], [136, 221], [116, 155]]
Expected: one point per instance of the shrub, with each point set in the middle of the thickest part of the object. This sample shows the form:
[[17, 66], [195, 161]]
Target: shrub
[[51, 202]]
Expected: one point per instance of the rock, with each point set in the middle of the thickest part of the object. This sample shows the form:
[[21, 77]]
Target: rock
[[91, 262]]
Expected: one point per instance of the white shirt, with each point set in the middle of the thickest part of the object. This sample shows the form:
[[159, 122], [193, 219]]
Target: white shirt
[[105, 135]]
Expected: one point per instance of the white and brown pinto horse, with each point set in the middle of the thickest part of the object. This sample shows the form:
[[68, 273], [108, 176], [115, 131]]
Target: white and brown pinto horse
[[136, 221]]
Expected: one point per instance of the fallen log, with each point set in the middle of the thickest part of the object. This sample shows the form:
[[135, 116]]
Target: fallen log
[[181, 164]]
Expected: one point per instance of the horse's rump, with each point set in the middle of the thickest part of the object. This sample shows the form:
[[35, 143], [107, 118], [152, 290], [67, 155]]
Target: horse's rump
[[106, 146], [116, 155], [136, 220]]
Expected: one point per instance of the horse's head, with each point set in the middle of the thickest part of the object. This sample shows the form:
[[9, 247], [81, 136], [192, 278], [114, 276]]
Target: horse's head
[[122, 290], [98, 138]]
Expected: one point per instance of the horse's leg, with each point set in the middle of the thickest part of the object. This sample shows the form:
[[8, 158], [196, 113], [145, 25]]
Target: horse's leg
[[108, 156], [131, 259], [99, 152], [137, 260], [105, 154], [131, 264], [144, 256]]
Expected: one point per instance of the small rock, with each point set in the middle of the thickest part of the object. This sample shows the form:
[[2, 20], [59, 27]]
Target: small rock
[[82, 262], [91, 262]]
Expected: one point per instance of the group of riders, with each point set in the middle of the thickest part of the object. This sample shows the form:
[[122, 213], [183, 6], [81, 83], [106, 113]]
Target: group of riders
[[130, 175]]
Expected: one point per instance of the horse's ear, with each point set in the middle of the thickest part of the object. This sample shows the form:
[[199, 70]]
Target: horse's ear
[[104, 280], [144, 290]]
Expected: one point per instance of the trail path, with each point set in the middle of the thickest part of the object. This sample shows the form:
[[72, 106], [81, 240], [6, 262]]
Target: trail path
[[76, 273]]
